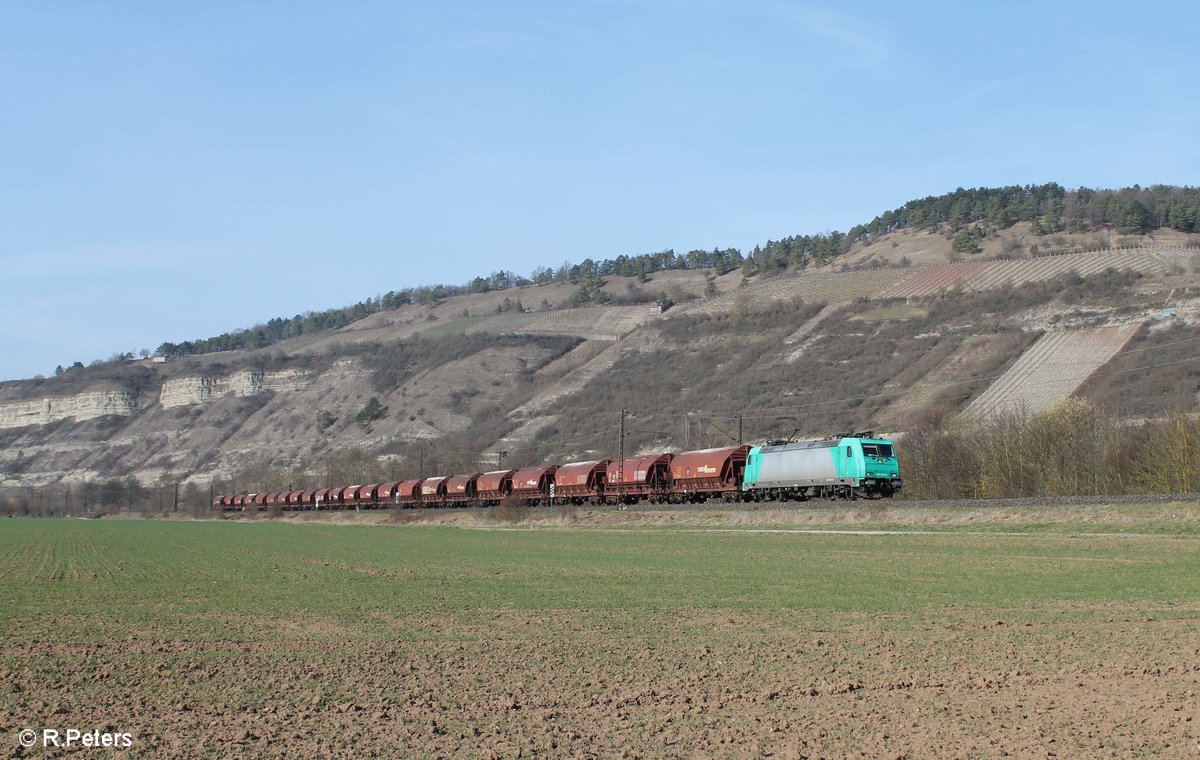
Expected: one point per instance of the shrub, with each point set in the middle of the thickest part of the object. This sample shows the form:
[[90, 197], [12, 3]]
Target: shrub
[[372, 411], [512, 510]]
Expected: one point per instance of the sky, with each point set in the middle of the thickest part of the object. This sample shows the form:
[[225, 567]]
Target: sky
[[171, 171]]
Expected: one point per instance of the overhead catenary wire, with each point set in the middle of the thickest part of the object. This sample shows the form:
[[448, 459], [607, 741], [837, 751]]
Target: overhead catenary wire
[[612, 432], [915, 391], [754, 414], [918, 392], [806, 409]]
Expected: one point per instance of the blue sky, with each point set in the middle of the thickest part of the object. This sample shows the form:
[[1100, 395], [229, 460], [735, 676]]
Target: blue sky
[[171, 171]]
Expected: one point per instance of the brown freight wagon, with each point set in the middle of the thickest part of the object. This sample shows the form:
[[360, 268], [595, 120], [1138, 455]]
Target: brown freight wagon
[[697, 475], [581, 481], [493, 487], [644, 477], [386, 494], [409, 492], [534, 484], [433, 491], [460, 489], [346, 497], [365, 496], [308, 499]]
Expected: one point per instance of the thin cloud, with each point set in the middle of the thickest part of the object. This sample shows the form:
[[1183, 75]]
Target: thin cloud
[[866, 46]]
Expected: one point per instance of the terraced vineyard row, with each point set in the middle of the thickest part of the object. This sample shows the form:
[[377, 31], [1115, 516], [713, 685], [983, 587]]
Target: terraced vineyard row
[[934, 280], [841, 287], [1000, 273], [595, 323], [830, 287], [1185, 259], [985, 275], [1051, 369]]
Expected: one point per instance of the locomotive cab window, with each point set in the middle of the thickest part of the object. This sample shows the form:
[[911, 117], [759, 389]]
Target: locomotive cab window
[[850, 452], [877, 449]]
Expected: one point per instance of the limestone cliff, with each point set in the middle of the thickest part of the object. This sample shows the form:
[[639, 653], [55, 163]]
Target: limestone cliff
[[79, 407], [186, 391]]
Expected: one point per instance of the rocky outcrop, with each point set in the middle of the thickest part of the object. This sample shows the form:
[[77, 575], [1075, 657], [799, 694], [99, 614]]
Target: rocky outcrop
[[181, 392], [186, 391], [83, 406]]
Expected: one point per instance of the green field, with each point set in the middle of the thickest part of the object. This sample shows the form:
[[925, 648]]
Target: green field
[[78, 580], [225, 619]]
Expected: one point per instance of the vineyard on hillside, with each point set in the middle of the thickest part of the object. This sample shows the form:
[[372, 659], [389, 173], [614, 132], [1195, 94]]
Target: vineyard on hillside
[[934, 280], [1057, 364]]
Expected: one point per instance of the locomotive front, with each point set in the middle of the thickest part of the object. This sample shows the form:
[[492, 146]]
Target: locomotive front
[[880, 470]]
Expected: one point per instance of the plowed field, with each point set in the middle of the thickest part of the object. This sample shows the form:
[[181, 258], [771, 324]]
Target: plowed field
[[717, 635]]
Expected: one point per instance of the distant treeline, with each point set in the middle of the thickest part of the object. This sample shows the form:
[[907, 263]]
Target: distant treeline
[[1050, 208], [588, 275], [98, 497], [967, 215]]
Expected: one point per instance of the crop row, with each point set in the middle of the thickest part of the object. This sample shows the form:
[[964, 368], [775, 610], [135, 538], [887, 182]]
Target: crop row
[[931, 281]]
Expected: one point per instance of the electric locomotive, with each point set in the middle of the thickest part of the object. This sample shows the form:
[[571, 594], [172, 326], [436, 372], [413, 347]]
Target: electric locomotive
[[854, 466]]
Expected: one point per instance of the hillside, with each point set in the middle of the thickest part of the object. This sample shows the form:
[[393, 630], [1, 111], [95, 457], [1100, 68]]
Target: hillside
[[898, 332]]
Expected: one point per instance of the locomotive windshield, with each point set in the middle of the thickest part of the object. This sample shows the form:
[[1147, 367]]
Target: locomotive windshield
[[878, 450]]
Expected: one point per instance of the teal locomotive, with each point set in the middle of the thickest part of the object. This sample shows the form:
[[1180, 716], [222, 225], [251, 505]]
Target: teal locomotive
[[854, 466]]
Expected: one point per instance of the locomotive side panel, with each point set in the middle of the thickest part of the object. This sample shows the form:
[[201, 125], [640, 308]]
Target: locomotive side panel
[[784, 467]]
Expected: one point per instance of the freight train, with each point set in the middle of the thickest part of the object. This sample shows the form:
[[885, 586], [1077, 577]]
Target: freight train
[[843, 467]]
